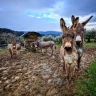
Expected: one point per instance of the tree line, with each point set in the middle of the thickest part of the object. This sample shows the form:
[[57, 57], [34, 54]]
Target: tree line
[[89, 36], [6, 35]]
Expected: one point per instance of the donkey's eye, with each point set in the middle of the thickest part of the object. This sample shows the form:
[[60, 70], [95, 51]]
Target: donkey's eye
[[63, 37]]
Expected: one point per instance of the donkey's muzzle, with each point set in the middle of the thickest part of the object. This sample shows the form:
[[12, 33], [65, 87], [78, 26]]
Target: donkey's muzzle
[[78, 42], [14, 47], [68, 46]]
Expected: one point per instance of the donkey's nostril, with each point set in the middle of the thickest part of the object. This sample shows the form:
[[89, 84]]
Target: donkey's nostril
[[78, 42], [68, 48]]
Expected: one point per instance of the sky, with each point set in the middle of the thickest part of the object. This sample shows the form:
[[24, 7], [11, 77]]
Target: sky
[[44, 15]]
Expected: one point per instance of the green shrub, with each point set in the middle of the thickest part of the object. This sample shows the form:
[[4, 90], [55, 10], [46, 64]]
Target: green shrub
[[47, 38], [58, 39]]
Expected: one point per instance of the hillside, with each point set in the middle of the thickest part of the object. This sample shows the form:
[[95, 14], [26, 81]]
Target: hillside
[[5, 30], [53, 33], [19, 33]]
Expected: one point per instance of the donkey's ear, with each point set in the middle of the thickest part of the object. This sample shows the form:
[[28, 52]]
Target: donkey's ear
[[76, 20], [73, 19], [63, 24], [85, 22]]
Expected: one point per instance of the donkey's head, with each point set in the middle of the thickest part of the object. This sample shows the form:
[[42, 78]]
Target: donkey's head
[[36, 44], [67, 36], [79, 29], [14, 43]]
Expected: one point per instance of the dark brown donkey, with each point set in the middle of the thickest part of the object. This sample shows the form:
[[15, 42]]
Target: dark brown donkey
[[79, 36], [68, 51]]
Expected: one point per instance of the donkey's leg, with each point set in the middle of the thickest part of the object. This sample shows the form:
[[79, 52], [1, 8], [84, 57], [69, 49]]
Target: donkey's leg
[[63, 66], [66, 69], [46, 50], [78, 62], [69, 72], [73, 70], [52, 50], [42, 51], [10, 52]]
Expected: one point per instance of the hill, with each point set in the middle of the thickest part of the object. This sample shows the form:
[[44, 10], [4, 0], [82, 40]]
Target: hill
[[19, 33], [53, 33], [5, 30]]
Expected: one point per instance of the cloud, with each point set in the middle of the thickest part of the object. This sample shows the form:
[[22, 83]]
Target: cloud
[[45, 14], [27, 4], [78, 7]]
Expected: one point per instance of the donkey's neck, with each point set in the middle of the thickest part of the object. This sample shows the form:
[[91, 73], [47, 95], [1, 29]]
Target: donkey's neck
[[79, 46]]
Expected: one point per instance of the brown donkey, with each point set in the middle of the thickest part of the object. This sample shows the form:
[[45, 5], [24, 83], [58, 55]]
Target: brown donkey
[[14, 47], [45, 45], [68, 51], [79, 36]]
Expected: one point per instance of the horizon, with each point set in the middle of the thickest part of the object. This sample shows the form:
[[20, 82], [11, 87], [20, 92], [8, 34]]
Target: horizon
[[35, 15], [43, 31]]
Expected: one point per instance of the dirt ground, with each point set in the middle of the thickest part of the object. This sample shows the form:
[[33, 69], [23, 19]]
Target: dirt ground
[[34, 74]]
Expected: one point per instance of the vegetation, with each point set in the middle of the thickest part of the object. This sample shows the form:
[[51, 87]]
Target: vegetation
[[47, 38], [90, 44], [6, 35], [89, 38], [86, 86], [3, 50], [90, 35]]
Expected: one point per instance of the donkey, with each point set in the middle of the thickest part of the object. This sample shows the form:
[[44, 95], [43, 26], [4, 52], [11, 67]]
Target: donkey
[[14, 47], [79, 36], [44, 45], [68, 52]]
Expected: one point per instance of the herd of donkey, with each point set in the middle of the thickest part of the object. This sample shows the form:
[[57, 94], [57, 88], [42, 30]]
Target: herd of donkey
[[71, 49]]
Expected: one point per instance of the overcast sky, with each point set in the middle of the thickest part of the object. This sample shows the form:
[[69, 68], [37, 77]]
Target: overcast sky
[[44, 15]]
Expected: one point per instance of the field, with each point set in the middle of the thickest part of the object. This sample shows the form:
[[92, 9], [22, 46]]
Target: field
[[92, 44], [34, 74]]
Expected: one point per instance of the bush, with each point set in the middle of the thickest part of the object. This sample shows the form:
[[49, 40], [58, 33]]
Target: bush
[[47, 38], [89, 35], [58, 39], [87, 84]]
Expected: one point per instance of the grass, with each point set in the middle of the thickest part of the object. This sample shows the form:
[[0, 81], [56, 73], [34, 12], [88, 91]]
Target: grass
[[90, 44], [86, 86], [58, 45], [3, 50], [86, 44]]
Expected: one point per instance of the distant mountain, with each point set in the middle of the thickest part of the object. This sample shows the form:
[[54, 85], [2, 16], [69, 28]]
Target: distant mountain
[[53, 33], [5, 30], [19, 33], [45, 33]]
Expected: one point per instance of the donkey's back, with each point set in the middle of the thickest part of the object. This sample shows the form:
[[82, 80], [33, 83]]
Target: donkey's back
[[47, 44]]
